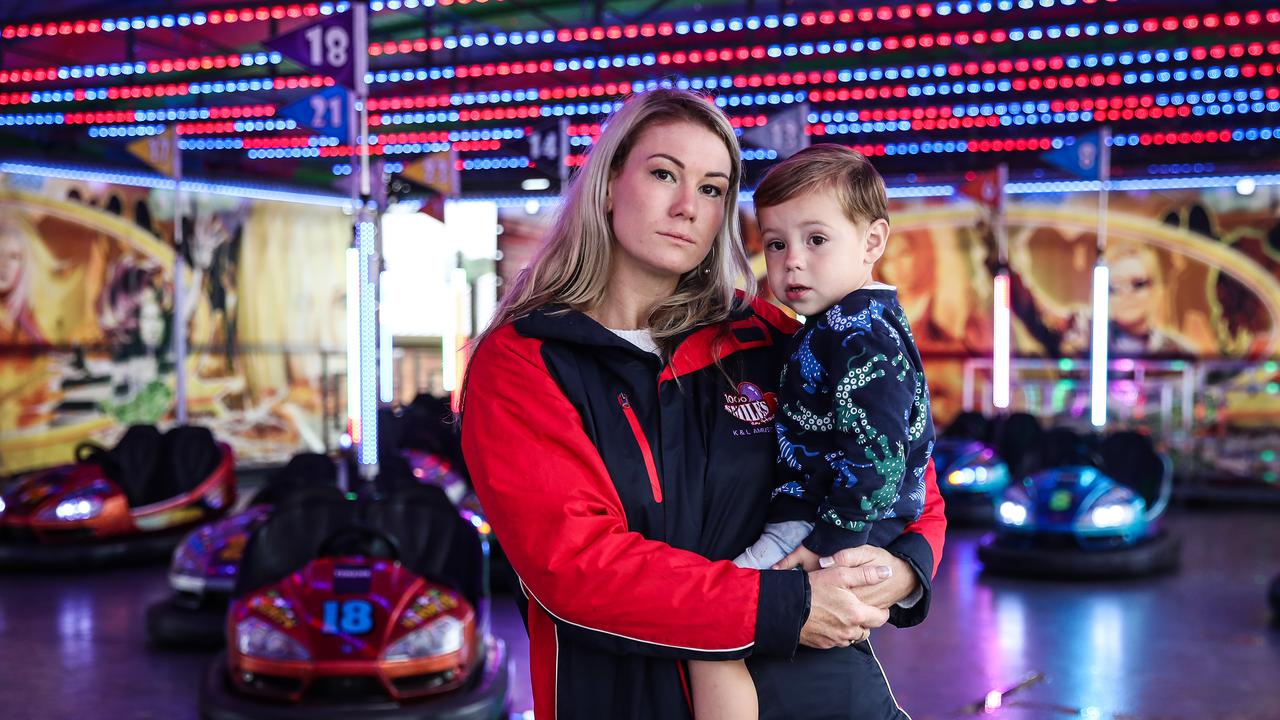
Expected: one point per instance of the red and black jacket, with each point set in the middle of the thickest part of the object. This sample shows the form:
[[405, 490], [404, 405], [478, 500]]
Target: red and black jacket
[[610, 479]]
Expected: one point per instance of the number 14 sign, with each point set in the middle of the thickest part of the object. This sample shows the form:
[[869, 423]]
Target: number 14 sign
[[325, 47]]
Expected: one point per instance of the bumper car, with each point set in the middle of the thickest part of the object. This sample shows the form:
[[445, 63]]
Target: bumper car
[[1273, 595], [131, 503], [361, 609], [424, 434], [1088, 514], [973, 475], [203, 571]]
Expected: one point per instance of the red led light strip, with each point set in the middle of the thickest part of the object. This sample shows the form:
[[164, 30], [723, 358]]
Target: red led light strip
[[379, 149], [131, 92], [214, 17], [202, 62], [1039, 144], [743, 53], [874, 92], [667, 29], [767, 80], [728, 54], [111, 117], [1046, 143]]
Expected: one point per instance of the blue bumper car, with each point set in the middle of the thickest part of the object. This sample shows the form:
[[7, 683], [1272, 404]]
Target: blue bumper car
[[1089, 514], [971, 473]]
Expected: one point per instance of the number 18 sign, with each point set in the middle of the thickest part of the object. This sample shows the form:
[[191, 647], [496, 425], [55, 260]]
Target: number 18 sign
[[325, 47]]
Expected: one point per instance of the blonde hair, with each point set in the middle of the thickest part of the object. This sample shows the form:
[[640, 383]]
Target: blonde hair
[[1150, 261], [572, 266], [15, 229], [827, 167]]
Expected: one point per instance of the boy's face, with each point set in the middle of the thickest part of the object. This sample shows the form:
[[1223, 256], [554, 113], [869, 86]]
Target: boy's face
[[815, 254]]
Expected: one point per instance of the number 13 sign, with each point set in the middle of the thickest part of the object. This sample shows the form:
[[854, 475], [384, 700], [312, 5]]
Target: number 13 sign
[[325, 47]]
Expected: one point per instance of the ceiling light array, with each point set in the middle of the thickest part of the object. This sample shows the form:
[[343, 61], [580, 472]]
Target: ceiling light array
[[729, 54], [858, 46], [209, 17], [955, 79]]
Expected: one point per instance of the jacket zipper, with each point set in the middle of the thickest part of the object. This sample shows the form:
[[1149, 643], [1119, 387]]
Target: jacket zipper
[[643, 442]]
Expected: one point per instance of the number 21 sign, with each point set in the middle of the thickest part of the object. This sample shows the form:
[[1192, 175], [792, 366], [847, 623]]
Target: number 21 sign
[[327, 112]]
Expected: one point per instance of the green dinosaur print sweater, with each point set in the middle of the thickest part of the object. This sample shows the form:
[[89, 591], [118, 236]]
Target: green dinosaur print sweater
[[854, 428]]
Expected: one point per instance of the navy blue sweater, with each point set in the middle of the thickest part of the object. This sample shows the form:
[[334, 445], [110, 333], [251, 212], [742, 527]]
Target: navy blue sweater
[[854, 428]]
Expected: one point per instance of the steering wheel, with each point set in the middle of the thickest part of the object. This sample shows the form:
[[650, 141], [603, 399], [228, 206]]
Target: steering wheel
[[87, 449], [359, 540]]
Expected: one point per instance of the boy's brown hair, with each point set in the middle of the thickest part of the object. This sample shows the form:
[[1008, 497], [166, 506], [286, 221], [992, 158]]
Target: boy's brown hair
[[857, 185]]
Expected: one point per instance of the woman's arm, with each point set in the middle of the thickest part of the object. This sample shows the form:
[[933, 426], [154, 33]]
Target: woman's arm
[[551, 502], [913, 558]]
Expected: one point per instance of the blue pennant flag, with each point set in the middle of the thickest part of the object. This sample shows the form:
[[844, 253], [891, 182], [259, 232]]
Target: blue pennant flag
[[328, 112], [1081, 156]]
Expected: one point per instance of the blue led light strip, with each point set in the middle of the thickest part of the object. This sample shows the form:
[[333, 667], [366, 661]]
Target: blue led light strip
[[769, 22], [259, 192], [844, 76], [195, 19], [317, 141], [1013, 188], [1012, 116], [929, 147], [140, 67], [1176, 183], [111, 131], [841, 47], [773, 98]]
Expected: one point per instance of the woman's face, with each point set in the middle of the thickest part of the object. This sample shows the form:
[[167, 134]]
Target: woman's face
[[150, 321], [10, 263], [1133, 292], [667, 202]]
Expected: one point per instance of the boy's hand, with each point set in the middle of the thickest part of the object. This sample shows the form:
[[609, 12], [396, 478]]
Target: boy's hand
[[800, 557]]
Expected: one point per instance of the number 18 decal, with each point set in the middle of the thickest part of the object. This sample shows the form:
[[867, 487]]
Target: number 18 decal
[[350, 617]]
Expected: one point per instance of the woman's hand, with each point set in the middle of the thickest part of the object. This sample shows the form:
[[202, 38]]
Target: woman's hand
[[890, 578], [836, 616]]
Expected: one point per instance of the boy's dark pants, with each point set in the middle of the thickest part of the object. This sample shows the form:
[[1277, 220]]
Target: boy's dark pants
[[837, 684]]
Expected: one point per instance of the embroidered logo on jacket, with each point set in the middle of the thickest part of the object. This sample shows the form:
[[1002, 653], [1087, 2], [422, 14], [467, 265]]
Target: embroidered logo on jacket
[[751, 405]]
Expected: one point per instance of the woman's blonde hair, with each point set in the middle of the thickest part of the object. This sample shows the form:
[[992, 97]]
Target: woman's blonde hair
[[572, 266], [15, 229]]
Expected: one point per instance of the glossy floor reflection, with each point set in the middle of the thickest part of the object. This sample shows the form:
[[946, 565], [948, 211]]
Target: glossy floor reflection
[[1196, 644], [1193, 645]]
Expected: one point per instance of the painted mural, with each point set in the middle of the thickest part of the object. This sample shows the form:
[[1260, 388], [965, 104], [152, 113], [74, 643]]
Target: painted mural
[[87, 317], [1194, 292]]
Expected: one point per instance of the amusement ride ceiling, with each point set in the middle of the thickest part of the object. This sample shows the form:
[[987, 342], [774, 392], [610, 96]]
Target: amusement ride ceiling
[[930, 90]]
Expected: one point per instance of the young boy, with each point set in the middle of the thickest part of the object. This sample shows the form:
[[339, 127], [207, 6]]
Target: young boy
[[854, 428]]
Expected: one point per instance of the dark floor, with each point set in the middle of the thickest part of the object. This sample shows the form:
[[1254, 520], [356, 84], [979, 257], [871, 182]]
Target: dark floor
[[1193, 645]]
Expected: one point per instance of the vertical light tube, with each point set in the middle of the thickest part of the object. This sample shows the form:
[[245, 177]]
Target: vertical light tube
[[449, 340], [464, 304], [1101, 278], [180, 301], [353, 345], [386, 363], [367, 235], [1000, 346], [1098, 356]]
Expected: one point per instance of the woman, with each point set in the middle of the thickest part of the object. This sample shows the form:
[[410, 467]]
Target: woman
[[17, 322], [618, 427]]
